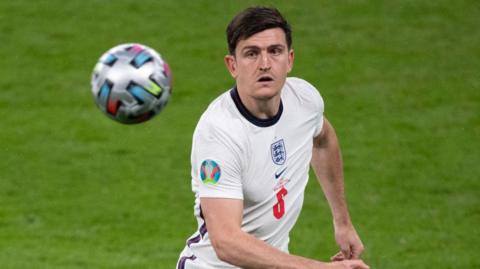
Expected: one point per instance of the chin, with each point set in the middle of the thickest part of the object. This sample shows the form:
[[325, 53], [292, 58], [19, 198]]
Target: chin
[[266, 93]]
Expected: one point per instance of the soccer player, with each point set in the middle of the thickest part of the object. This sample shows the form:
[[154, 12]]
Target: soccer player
[[251, 153]]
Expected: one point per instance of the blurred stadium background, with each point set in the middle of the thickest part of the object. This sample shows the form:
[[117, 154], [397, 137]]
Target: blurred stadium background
[[401, 84]]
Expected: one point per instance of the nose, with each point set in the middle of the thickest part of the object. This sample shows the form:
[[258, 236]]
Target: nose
[[264, 62]]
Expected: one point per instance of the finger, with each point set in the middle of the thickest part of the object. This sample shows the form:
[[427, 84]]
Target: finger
[[358, 264], [337, 257]]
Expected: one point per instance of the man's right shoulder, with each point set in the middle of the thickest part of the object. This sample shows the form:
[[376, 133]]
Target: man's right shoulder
[[220, 116]]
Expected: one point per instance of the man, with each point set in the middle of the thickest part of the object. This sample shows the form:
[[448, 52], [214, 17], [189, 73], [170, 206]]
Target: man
[[250, 158]]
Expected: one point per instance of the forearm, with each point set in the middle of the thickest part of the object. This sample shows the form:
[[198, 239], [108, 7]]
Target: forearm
[[246, 251]]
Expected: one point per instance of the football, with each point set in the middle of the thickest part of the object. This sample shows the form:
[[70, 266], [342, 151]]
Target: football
[[131, 83]]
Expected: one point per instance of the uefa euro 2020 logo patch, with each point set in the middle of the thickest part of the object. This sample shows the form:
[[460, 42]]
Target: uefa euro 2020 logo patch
[[210, 172], [279, 155]]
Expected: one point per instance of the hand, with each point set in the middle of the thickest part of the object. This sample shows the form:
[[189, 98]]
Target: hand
[[351, 246], [348, 264]]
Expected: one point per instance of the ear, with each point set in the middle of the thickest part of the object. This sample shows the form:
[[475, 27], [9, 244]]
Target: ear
[[291, 57], [231, 64]]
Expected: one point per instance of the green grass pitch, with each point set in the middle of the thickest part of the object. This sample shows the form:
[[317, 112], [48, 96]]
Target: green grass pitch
[[401, 85]]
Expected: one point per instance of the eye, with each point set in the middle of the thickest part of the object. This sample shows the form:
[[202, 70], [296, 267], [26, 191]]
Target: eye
[[250, 54], [276, 51]]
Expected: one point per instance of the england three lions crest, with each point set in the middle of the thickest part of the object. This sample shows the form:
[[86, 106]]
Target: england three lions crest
[[279, 155]]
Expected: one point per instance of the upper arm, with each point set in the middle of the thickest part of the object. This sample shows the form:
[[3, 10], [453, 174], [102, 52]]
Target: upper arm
[[217, 179], [223, 218]]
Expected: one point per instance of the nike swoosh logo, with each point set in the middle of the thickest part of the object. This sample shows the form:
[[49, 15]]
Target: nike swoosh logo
[[277, 175]]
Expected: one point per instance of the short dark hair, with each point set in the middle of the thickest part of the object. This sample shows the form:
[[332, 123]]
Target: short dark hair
[[254, 20]]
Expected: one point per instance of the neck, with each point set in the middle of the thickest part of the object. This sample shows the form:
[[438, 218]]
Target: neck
[[267, 115], [265, 108]]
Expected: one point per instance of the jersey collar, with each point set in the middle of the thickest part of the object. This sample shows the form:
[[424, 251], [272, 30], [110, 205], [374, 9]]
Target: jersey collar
[[249, 116]]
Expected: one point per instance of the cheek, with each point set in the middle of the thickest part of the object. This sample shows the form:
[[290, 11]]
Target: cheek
[[245, 69], [286, 65]]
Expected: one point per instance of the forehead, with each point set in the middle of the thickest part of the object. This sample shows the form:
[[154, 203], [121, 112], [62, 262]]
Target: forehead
[[273, 36]]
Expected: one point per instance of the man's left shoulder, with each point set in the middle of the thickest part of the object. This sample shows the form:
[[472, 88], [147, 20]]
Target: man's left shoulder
[[304, 90], [299, 83]]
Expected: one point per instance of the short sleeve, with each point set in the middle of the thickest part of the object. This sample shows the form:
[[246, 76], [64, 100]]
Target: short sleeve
[[315, 100], [216, 163], [319, 114]]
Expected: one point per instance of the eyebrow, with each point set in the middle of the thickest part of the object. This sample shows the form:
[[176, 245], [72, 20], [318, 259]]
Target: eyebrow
[[269, 47]]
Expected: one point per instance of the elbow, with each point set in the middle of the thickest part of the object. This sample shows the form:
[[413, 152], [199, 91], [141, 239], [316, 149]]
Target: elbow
[[224, 247]]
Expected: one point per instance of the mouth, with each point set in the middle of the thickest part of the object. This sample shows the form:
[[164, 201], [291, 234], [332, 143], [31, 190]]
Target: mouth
[[265, 79]]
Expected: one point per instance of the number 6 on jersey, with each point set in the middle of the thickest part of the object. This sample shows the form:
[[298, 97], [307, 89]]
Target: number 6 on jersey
[[279, 207]]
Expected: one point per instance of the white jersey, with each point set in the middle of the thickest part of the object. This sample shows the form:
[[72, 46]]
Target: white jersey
[[265, 163]]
